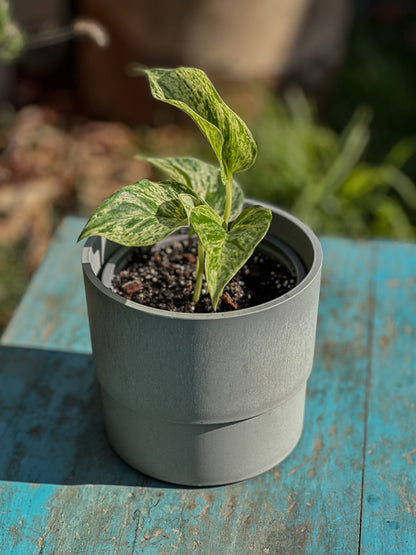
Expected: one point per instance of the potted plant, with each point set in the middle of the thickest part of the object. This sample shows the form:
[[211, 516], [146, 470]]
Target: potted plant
[[201, 398]]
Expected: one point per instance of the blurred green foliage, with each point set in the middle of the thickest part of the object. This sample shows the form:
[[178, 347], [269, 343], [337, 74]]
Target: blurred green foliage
[[379, 70], [13, 280], [322, 176], [11, 38]]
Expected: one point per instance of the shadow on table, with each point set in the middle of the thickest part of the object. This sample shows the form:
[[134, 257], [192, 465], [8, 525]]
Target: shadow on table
[[51, 423]]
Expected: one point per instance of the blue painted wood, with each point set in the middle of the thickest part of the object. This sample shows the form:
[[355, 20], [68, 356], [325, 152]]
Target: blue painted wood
[[54, 449], [389, 495], [53, 312]]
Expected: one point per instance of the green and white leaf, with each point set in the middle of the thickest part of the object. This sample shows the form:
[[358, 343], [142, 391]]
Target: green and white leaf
[[190, 90], [142, 213], [203, 178], [226, 252]]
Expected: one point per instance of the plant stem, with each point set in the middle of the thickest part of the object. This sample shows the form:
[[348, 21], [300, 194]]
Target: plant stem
[[200, 263], [228, 199]]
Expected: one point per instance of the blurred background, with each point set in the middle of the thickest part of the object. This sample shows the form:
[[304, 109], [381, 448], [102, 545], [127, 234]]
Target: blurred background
[[328, 88]]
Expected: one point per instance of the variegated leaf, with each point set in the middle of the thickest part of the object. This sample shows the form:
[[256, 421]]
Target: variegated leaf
[[190, 90], [203, 178], [142, 213], [226, 252]]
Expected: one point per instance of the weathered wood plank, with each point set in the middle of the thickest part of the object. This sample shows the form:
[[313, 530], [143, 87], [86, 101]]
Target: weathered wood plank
[[52, 313], [389, 496], [331, 464], [52, 427]]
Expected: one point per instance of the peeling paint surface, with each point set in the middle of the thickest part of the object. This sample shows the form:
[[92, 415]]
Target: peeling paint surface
[[389, 478], [349, 487]]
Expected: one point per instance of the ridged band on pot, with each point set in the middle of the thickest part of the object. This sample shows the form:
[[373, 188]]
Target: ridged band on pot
[[205, 454], [205, 369]]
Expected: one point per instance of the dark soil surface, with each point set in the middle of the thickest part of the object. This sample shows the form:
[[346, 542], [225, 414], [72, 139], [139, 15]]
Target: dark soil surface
[[164, 278]]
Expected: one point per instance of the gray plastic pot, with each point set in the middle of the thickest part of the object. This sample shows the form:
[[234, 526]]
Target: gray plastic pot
[[205, 399]]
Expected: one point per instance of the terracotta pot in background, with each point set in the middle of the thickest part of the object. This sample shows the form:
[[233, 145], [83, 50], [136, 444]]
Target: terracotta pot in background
[[237, 40]]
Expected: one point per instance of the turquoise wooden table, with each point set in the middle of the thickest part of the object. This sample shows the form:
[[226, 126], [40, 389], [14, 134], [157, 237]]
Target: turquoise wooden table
[[349, 486]]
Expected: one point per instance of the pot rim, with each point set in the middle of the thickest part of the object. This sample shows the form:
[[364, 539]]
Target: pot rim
[[311, 275]]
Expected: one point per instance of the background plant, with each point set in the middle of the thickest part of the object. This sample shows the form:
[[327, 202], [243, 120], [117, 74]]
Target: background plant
[[322, 176], [379, 71], [11, 37]]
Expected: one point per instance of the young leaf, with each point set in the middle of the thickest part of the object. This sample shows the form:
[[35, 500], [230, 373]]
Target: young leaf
[[190, 90], [203, 178], [226, 252], [142, 213]]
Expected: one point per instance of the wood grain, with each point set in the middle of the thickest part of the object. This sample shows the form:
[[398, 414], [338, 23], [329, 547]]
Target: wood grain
[[389, 494], [349, 486]]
